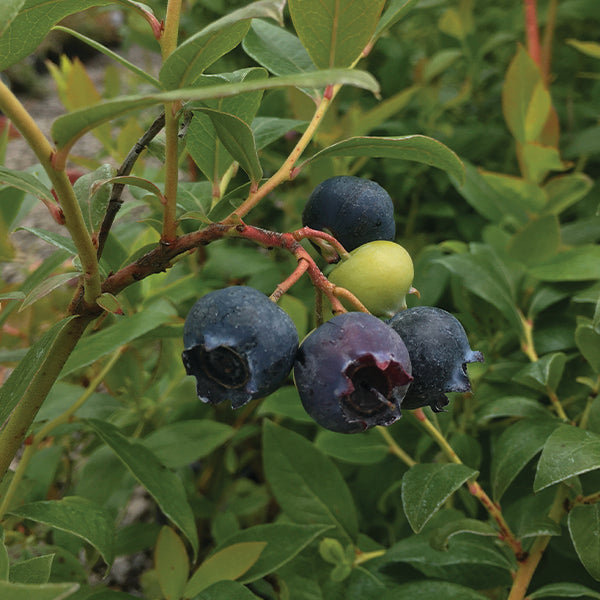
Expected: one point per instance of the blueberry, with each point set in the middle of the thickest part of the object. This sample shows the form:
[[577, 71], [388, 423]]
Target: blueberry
[[352, 209], [238, 344], [439, 352], [352, 373]]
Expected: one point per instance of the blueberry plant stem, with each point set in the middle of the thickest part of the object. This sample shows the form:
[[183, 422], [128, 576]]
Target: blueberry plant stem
[[395, 448], [474, 487], [531, 25], [16, 112], [33, 444], [546, 56]]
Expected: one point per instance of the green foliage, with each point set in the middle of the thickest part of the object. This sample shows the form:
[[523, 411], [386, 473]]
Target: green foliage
[[498, 497]]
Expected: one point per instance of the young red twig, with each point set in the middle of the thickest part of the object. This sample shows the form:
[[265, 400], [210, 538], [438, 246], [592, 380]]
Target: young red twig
[[531, 27], [315, 234], [287, 283]]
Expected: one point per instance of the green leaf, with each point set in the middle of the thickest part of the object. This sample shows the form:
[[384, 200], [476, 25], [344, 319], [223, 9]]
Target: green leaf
[[587, 339], [47, 286], [78, 516], [411, 147], [278, 50], [182, 443], [45, 591], [237, 137], [124, 330], [544, 374], [394, 13], [139, 182], [92, 191], [283, 542], [37, 17], [537, 241], [269, 129], [109, 303], [569, 451], [563, 590], [584, 527], [515, 447], [334, 33], [112, 55], [19, 381], [307, 485], [60, 241], [578, 264], [589, 48], [230, 563], [16, 295], [8, 12], [427, 590], [284, 402], [425, 487], [4, 561], [565, 190], [524, 101], [25, 181], [162, 484], [440, 536], [67, 129], [366, 449], [474, 561], [171, 563], [226, 590], [32, 570], [512, 406], [528, 516], [199, 51]]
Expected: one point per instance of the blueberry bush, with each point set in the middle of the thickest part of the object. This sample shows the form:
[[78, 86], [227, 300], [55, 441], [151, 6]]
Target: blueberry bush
[[320, 317]]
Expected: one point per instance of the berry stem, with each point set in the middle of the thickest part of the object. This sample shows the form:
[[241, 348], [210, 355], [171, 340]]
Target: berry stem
[[531, 27], [474, 488], [287, 283], [395, 448], [312, 234]]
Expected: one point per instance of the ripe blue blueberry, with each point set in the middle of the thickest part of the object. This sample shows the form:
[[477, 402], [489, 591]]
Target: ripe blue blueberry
[[439, 352], [352, 373], [352, 209], [238, 344]]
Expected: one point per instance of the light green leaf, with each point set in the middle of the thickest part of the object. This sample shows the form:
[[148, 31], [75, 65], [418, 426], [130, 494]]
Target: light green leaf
[[67, 129], [537, 241], [37, 17], [334, 33], [578, 264], [367, 449], [515, 447], [411, 147], [199, 51], [425, 487], [284, 402], [162, 484], [569, 451], [124, 330], [77, 516], [589, 48], [46, 286], [584, 527], [27, 182], [19, 381], [8, 11], [16, 295], [563, 590], [182, 443], [237, 137], [545, 373], [269, 129], [60, 241], [171, 563], [45, 591], [283, 542], [565, 190], [307, 485], [440, 536], [394, 12], [32, 570], [276, 49], [230, 563], [512, 406], [226, 590]]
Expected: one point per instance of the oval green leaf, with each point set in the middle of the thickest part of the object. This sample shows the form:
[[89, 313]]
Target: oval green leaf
[[584, 527], [77, 516], [418, 148], [578, 264], [440, 536], [564, 590], [425, 487], [569, 451], [26, 182], [45, 591], [171, 563], [162, 484]]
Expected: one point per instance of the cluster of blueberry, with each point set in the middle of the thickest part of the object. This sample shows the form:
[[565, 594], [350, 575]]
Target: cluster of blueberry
[[356, 370]]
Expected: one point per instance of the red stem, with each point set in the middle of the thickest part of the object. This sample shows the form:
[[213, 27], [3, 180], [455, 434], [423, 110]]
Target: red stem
[[531, 27]]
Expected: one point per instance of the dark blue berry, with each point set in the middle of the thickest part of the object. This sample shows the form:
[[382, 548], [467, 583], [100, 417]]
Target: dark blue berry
[[352, 373], [439, 353], [354, 210], [238, 344]]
